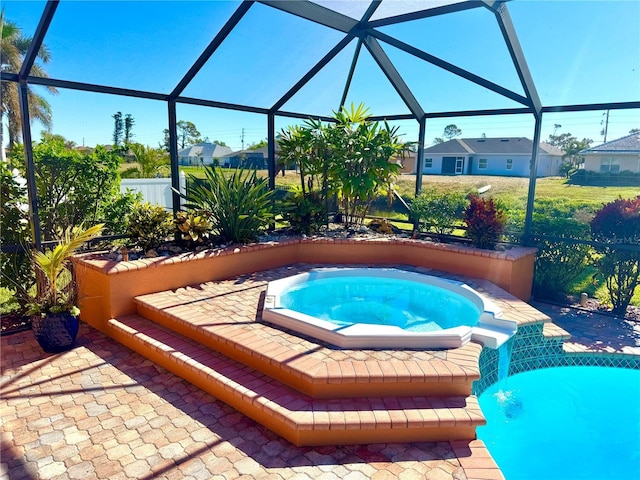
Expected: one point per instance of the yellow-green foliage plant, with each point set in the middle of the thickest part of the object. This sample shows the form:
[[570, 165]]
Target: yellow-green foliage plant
[[149, 225], [194, 226]]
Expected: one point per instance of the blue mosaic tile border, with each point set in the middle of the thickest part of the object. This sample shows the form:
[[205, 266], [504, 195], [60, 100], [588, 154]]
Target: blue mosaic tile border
[[530, 350]]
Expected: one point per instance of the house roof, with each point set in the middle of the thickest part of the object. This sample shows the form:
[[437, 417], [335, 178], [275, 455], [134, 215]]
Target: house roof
[[264, 151], [208, 150], [247, 153], [628, 144], [500, 145], [551, 149]]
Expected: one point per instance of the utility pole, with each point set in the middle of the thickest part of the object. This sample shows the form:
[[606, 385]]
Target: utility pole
[[242, 139], [606, 126]]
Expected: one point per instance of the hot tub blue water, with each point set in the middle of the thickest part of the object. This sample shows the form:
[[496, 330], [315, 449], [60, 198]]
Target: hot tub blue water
[[565, 423], [384, 308], [412, 306]]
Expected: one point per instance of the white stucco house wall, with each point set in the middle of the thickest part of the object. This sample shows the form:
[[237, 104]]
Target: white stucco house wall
[[505, 156], [616, 156], [202, 154]]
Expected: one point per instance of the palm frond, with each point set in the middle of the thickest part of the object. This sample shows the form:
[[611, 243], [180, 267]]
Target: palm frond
[[53, 262]]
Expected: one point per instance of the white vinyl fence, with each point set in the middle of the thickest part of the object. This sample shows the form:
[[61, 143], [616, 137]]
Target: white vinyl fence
[[154, 190]]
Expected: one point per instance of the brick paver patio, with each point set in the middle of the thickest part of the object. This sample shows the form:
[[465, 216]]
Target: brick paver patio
[[101, 411], [594, 332]]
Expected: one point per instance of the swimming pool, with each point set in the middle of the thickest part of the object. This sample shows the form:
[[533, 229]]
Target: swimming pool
[[565, 423], [384, 308]]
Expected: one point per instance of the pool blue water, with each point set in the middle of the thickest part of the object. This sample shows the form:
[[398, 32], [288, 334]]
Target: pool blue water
[[413, 306], [565, 423]]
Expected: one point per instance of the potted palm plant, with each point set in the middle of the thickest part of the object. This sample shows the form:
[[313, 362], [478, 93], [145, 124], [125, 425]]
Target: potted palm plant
[[53, 310]]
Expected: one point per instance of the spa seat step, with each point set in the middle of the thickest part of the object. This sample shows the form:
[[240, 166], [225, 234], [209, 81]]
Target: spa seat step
[[221, 322], [297, 417]]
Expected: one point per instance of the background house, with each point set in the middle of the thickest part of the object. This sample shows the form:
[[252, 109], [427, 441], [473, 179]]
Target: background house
[[202, 154], [246, 159], [490, 156], [257, 158], [620, 155]]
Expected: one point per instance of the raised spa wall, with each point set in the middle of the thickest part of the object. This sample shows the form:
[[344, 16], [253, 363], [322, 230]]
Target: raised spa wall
[[107, 288]]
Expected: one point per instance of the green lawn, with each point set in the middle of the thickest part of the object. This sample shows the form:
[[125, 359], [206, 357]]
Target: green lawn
[[551, 187], [516, 187]]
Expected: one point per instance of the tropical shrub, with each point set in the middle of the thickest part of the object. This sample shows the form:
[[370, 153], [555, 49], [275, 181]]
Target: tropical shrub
[[8, 302], [617, 224], [73, 188], [238, 207], [485, 222], [437, 212], [116, 210], [580, 210], [305, 213], [304, 147], [558, 264], [14, 230], [151, 162], [194, 227], [149, 225], [350, 159], [515, 211], [567, 169], [588, 177], [363, 166]]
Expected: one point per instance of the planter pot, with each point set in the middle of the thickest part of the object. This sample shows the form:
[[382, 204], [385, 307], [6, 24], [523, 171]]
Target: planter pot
[[55, 332]]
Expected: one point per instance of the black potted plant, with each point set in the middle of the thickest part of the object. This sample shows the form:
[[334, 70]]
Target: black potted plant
[[53, 310]]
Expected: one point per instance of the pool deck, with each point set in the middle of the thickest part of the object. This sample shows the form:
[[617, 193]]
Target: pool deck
[[102, 411], [594, 332]]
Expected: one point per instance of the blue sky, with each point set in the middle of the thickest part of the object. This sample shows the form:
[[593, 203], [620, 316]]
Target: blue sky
[[578, 52]]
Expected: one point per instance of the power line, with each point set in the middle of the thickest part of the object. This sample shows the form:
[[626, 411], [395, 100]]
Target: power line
[[606, 126]]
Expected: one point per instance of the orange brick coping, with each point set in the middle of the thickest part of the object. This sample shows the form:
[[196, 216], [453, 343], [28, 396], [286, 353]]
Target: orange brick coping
[[107, 288], [98, 261], [476, 460]]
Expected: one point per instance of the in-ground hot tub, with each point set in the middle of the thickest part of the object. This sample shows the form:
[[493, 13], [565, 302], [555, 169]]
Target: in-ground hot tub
[[384, 308]]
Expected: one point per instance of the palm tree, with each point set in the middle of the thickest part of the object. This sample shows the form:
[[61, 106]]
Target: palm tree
[[13, 48], [150, 161]]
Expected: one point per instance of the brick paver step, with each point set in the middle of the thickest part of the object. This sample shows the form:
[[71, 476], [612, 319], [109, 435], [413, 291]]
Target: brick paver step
[[299, 418], [226, 317]]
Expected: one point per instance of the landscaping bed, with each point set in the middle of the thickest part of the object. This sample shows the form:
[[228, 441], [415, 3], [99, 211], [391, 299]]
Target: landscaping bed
[[13, 323]]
